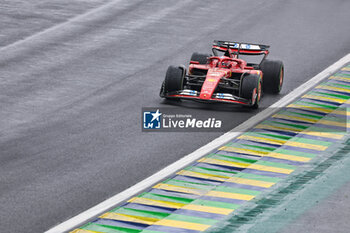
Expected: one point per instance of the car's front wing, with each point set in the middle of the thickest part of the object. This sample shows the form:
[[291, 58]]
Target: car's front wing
[[217, 97]]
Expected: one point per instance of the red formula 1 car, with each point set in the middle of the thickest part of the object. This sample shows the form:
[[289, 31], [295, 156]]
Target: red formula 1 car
[[226, 77]]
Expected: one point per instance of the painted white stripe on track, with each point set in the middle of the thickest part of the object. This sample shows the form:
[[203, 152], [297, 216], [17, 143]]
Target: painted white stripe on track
[[188, 159]]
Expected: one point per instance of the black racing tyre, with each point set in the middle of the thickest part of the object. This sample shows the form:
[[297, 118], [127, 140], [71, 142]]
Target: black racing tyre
[[251, 89], [273, 74], [161, 93], [174, 80], [201, 58]]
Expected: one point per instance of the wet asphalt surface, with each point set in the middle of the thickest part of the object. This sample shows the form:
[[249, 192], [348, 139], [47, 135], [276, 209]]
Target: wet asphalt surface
[[72, 89]]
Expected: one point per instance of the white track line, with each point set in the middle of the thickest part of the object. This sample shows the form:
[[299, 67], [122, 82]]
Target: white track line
[[172, 168]]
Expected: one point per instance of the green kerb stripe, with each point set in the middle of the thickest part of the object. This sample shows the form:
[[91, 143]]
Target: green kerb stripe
[[302, 114], [260, 147], [258, 134], [274, 164], [166, 198], [311, 141], [108, 229], [258, 177], [326, 130], [331, 95], [228, 158], [295, 153], [143, 213], [189, 184], [247, 146], [335, 85], [238, 158], [318, 105], [342, 75], [215, 204], [186, 218], [205, 169], [336, 119], [208, 171], [236, 190], [285, 124]]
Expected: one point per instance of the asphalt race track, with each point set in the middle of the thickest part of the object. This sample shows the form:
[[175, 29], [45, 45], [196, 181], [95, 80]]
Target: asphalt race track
[[71, 94]]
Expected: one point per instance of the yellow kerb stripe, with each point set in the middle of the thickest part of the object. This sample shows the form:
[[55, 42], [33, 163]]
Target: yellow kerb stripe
[[288, 157], [306, 145], [342, 112], [204, 192], [323, 134], [270, 169], [268, 154], [129, 218], [200, 175], [340, 78], [317, 109], [182, 224], [208, 209], [83, 231], [230, 195], [333, 88], [262, 139], [148, 201], [155, 221], [287, 117], [258, 183], [312, 133], [243, 150], [272, 127], [176, 188], [281, 142], [334, 123], [336, 100], [224, 162], [252, 166]]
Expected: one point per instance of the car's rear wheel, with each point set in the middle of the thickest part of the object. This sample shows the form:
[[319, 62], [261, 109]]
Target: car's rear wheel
[[273, 74], [201, 58], [251, 89], [174, 80]]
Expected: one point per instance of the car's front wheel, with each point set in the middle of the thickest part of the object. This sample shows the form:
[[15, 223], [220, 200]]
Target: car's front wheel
[[174, 80], [273, 75], [251, 89]]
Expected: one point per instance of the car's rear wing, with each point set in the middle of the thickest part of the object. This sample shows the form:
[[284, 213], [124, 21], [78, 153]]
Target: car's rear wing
[[240, 48]]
